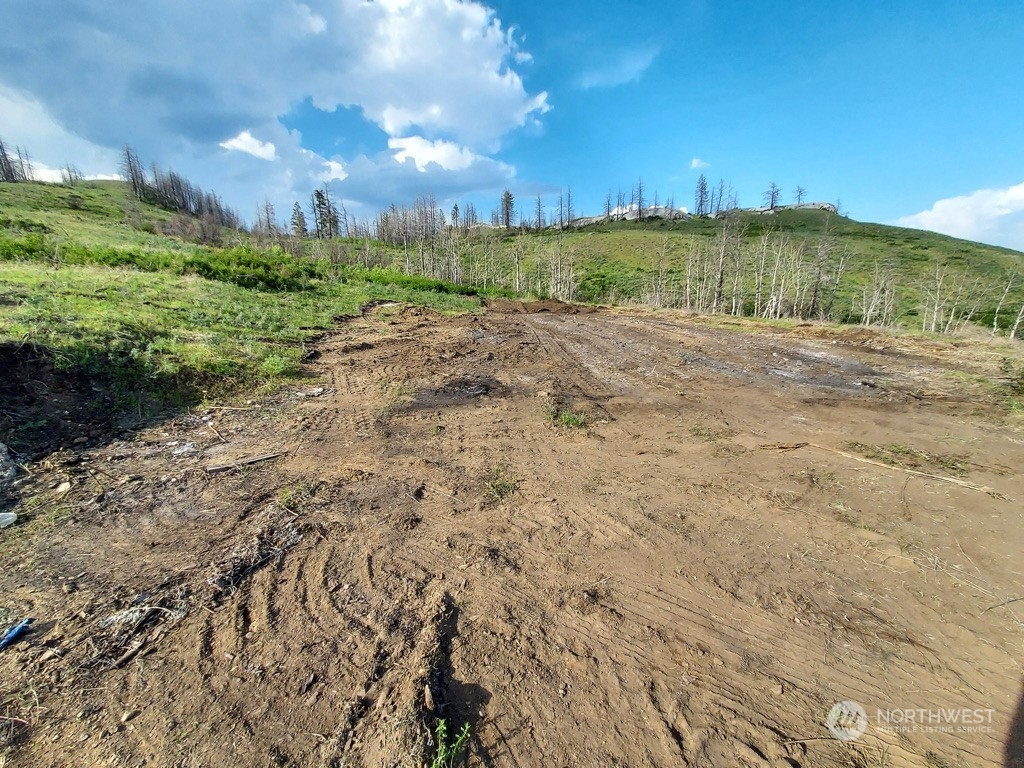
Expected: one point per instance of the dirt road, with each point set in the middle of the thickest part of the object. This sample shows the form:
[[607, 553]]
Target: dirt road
[[601, 539]]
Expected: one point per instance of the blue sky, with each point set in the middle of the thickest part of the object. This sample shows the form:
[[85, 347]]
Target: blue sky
[[908, 112]]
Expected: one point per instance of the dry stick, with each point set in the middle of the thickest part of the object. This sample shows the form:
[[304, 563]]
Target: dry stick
[[242, 462], [1005, 602], [955, 480], [128, 655], [218, 434]]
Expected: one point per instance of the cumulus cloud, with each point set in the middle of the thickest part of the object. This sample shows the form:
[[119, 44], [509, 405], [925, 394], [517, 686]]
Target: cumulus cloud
[[246, 142], [25, 122], [186, 79], [698, 163], [993, 216], [625, 67], [422, 152]]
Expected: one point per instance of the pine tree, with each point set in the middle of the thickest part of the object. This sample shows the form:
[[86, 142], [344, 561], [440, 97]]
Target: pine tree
[[508, 208], [299, 228]]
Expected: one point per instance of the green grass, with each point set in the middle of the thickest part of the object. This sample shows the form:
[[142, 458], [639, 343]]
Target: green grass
[[148, 319], [571, 420], [140, 327], [559, 416], [95, 213]]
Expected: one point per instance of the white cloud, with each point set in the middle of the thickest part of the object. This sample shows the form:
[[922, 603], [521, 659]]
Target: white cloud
[[440, 76], [698, 163], [310, 22], [246, 142], [333, 171], [378, 180], [422, 152], [25, 122], [626, 67], [993, 216]]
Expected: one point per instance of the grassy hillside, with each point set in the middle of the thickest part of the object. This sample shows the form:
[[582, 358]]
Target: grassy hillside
[[135, 320], [621, 258]]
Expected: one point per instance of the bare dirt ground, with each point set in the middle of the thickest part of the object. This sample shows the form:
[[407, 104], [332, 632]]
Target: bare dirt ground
[[693, 577]]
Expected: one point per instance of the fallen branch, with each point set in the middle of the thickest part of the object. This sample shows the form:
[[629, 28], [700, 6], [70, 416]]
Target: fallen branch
[[1005, 602], [217, 469], [128, 655]]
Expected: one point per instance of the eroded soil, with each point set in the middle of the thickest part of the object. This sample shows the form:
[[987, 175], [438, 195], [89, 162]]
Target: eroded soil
[[692, 577]]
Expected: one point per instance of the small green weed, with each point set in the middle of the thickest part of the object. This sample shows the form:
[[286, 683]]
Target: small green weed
[[293, 496], [500, 483], [449, 751], [572, 420], [557, 416]]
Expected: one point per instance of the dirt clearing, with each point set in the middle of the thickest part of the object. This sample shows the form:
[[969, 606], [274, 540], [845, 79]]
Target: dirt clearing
[[608, 538]]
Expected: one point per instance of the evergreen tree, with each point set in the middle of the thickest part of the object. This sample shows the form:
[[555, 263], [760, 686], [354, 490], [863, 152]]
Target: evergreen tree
[[508, 208], [299, 228]]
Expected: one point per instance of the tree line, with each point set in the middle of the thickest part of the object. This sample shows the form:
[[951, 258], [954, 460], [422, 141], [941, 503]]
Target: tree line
[[770, 274], [173, 192]]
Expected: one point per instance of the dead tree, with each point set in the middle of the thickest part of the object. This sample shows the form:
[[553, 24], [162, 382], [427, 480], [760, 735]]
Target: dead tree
[[639, 195], [1017, 322], [999, 306], [700, 197], [878, 299], [771, 196]]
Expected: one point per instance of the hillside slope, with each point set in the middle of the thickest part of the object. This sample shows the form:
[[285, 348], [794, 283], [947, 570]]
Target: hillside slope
[[119, 319], [623, 258]]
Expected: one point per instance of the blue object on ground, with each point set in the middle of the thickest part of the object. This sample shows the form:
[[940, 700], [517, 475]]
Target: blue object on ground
[[15, 633]]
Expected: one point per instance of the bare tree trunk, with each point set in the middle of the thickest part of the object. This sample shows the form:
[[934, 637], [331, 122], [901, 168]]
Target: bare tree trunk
[[762, 261], [999, 306], [689, 273], [1016, 325]]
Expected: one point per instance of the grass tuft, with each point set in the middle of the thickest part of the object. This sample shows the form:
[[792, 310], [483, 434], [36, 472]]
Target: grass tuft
[[558, 416], [499, 484]]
